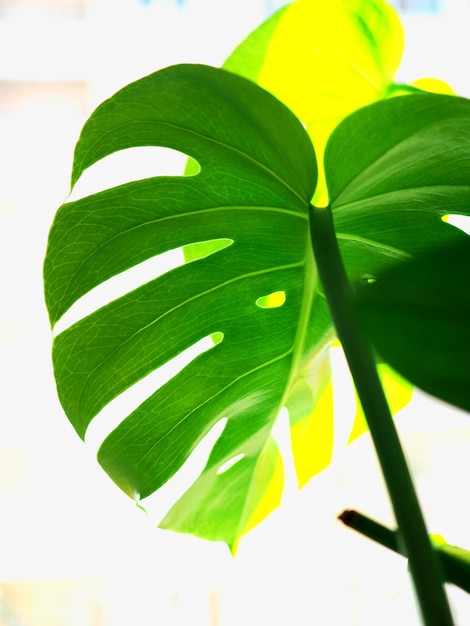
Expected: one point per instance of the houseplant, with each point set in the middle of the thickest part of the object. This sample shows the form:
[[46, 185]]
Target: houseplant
[[283, 251]]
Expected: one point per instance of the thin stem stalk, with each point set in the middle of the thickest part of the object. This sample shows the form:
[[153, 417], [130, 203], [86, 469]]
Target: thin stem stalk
[[424, 566], [454, 561]]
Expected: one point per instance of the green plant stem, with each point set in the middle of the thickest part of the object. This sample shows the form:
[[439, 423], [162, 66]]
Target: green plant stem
[[454, 561], [424, 566], [371, 529]]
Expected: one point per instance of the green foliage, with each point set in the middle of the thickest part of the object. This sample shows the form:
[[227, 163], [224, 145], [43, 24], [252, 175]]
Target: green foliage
[[264, 353], [252, 192], [249, 286], [454, 561], [417, 316], [326, 60], [393, 170]]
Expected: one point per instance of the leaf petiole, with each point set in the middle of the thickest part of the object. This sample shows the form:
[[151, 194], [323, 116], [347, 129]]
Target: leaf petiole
[[455, 562], [424, 566]]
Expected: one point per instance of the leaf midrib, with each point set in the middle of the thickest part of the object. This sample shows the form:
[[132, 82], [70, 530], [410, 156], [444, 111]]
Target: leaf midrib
[[357, 206], [297, 351]]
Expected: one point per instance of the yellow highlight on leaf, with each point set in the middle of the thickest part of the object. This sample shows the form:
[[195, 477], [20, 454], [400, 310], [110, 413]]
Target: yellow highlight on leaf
[[272, 300], [398, 392], [327, 59], [269, 501], [312, 439], [434, 85]]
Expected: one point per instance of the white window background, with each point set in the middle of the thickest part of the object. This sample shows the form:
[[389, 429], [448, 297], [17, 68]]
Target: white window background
[[74, 551]]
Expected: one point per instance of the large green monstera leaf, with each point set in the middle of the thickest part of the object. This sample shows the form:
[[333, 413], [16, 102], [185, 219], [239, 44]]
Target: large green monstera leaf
[[393, 169], [257, 176]]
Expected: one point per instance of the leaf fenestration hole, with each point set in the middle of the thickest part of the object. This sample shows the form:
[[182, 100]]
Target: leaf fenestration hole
[[272, 300], [368, 279], [132, 278], [116, 411], [132, 164], [119, 285], [459, 221], [203, 249], [217, 337], [165, 497], [230, 463], [281, 434]]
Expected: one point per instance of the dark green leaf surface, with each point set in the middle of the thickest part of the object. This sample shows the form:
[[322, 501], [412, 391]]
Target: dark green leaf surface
[[394, 169], [257, 176], [417, 315], [405, 164]]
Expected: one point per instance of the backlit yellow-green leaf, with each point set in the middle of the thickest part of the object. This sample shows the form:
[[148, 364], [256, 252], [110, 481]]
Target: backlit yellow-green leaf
[[398, 392], [434, 85], [266, 494], [324, 60], [310, 407], [224, 504]]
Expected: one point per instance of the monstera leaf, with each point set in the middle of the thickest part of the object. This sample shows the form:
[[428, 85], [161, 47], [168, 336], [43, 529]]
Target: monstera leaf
[[393, 168], [389, 198], [257, 176]]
